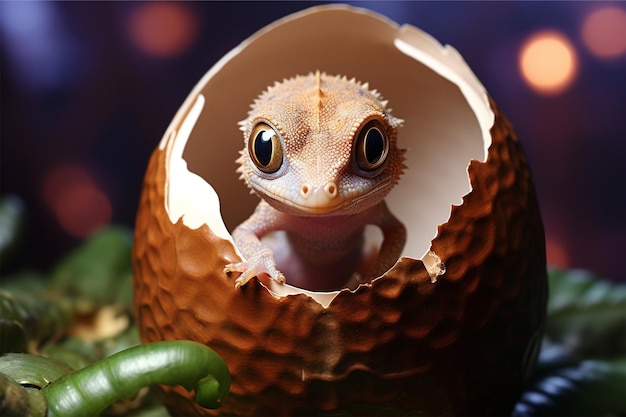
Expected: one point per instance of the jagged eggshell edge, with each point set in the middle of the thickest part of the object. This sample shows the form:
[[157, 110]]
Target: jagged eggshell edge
[[191, 198], [480, 322]]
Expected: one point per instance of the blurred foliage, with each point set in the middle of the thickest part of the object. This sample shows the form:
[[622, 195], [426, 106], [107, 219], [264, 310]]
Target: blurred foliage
[[12, 219], [76, 315], [81, 313], [587, 314], [582, 364], [99, 271], [582, 388], [30, 316]]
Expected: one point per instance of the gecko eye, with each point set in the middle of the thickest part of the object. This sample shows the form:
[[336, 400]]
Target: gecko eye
[[371, 146], [265, 148]]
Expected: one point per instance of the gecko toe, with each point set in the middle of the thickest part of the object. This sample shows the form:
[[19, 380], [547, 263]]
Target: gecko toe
[[236, 267], [241, 281], [245, 276]]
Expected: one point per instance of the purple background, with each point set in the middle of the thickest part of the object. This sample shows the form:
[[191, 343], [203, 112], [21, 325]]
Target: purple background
[[77, 89]]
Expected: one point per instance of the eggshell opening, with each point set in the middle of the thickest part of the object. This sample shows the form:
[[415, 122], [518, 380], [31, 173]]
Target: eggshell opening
[[400, 344], [446, 111]]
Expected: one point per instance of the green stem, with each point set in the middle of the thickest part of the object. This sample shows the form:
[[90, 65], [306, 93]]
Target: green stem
[[89, 391]]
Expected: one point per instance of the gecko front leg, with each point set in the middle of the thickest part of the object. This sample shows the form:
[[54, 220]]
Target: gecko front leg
[[394, 238], [259, 259]]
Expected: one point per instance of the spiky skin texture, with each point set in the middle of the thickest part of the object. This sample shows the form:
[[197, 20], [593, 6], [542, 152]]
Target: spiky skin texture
[[321, 153]]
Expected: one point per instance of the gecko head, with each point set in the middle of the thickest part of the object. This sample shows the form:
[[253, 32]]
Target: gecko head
[[319, 144]]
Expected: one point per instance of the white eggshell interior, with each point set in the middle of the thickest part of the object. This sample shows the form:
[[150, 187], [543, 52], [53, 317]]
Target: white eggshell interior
[[445, 108]]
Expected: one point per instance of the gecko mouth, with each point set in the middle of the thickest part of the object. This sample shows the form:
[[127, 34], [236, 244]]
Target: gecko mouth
[[292, 207], [347, 204]]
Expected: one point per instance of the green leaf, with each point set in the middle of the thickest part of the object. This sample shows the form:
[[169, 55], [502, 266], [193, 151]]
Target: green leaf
[[29, 319], [32, 370], [586, 314], [25, 281], [100, 270]]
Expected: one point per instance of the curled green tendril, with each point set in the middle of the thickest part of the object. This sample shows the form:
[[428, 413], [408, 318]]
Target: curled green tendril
[[89, 391]]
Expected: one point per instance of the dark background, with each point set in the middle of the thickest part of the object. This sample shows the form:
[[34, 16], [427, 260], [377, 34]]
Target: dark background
[[87, 90]]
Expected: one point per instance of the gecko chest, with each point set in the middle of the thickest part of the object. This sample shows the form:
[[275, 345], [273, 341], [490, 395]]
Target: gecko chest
[[325, 240], [323, 254]]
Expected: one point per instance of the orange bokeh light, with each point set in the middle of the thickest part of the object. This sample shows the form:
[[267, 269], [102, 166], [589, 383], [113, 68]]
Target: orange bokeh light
[[162, 29], [604, 32], [76, 201], [548, 62], [556, 253]]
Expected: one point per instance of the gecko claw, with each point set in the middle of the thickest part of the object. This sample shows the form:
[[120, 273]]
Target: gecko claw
[[239, 283], [243, 269], [248, 272]]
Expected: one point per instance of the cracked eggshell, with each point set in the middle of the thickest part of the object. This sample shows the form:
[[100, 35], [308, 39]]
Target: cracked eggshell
[[461, 343]]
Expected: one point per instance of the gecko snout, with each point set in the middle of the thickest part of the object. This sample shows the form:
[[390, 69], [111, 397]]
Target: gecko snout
[[318, 195]]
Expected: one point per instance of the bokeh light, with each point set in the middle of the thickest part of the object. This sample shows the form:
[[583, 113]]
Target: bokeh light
[[604, 32], [556, 253], [44, 58], [162, 29], [79, 81], [548, 62], [78, 204]]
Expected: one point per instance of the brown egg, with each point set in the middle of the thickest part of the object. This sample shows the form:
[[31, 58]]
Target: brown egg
[[421, 339]]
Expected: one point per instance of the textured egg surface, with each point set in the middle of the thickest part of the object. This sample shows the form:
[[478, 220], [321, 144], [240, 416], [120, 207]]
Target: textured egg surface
[[402, 344]]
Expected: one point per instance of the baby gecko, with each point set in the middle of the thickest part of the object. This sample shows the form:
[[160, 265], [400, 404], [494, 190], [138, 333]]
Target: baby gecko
[[321, 153]]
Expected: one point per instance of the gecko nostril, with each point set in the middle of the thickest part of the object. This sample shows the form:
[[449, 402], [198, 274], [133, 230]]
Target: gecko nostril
[[305, 190], [331, 189]]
